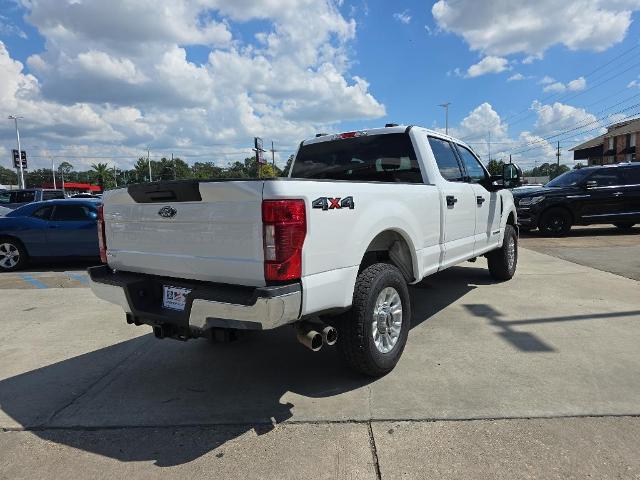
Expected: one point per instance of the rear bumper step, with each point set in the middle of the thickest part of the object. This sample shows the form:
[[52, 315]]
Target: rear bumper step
[[209, 305]]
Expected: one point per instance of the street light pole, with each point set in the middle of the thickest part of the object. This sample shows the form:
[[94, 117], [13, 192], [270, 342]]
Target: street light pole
[[149, 163], [15, 119], [446, 116], [53, 172]]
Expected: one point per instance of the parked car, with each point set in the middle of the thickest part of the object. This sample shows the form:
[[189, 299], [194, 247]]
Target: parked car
[[586, 196], [84, 195], [16, 198], [361, 215], [55, 229]]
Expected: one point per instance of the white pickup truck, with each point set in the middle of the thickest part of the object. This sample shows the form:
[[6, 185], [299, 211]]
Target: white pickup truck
[[330, 249]]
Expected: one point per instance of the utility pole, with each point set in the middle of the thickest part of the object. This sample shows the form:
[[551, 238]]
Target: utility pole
[[273, 155], [173, 162], [558, 154], [15, 118], [446, 116], [489, 145], [149, 163], [53, 172], [115, 175], [62, 175]]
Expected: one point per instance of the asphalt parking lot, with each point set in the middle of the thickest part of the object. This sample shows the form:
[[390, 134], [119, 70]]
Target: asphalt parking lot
[[534, 378]]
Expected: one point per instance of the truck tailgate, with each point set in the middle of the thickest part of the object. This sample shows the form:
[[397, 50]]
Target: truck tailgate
[[209, 230]]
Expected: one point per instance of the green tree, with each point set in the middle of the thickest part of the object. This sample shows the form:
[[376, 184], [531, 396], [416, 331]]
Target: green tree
[[8, 176], [495, 167], [101, 172]]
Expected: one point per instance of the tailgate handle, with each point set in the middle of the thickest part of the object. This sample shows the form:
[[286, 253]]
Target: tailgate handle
[[451, 200]]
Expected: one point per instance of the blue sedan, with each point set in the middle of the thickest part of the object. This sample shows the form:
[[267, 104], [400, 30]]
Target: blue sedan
[[52, 229]]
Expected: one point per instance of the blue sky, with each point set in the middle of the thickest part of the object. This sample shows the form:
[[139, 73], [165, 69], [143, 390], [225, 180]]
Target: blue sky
[[107, 81]]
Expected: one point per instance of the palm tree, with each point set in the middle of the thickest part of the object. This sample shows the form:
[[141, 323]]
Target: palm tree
[[101, 170]]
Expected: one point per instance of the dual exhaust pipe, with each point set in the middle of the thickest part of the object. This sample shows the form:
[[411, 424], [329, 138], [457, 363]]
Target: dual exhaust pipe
[[314, 339]]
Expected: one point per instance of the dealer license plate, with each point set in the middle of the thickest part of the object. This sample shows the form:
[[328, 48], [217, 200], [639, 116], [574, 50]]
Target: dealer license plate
[[174, 298]]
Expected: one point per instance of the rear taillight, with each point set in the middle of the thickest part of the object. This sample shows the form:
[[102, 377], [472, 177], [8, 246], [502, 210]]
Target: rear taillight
[[102, 238], [284, 228]]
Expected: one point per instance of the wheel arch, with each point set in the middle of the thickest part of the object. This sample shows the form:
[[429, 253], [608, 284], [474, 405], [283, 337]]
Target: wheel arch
[[394, 246]]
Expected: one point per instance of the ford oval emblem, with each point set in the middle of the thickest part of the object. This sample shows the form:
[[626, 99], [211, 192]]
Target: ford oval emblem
[[167, 212]]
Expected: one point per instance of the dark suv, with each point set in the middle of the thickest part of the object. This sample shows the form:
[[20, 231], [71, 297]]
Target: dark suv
[[601, 194]]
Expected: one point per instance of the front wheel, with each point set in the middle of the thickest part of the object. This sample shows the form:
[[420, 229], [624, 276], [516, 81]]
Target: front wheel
[[503, 261], [556, 222], [373, 334]]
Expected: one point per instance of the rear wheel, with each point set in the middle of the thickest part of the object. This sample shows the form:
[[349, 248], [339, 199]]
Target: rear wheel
[[556, 222], [373, 334], [624, 226], [12, 255], [503, 261]]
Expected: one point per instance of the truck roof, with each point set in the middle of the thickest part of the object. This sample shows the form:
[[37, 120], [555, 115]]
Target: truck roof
[[376, 131]]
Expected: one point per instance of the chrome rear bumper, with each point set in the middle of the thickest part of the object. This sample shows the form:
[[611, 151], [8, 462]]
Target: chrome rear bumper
[[208, 305]]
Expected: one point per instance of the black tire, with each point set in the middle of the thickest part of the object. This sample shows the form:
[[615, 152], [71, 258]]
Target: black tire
[[356, 335], [555, 222], [13, 255], [503, 261], [624, 226]]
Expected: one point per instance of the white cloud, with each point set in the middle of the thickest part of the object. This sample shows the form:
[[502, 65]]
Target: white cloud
[[546, 80], [634, 84], [555, 87], [487, 65], [576, 85], [560, 117], [505, 28], [403, 17], [117, 75], [516, 77], [527, 147]]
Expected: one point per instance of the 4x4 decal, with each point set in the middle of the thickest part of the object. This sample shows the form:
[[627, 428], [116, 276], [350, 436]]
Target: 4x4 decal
[[333, 203]]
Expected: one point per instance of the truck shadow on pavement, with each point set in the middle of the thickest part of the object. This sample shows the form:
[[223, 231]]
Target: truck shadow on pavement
[[170, 402]]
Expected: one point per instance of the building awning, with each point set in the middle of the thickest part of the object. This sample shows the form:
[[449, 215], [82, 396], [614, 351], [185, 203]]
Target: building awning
[[628, 150], [587, 153]]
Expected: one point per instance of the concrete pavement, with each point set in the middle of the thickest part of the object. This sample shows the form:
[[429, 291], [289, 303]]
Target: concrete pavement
[[558, 340], [604, 247]]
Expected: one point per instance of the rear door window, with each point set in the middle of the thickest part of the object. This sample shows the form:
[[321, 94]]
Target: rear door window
[[25, 197], [606, 177], [446, 159], [378, 158], [70, 213], [52, 195], [631, 175], [42, 213]]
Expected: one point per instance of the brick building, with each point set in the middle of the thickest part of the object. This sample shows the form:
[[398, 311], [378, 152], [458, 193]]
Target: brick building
[[616, 146]]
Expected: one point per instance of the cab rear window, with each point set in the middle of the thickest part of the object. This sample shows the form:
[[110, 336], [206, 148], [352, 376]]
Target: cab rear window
[[378, 158]]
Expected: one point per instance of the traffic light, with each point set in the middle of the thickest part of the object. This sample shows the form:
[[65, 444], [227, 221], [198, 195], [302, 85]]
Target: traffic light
[[23, 156]]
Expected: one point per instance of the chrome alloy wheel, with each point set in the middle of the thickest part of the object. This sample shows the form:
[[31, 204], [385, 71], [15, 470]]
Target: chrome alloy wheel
[[9, 255], [387, 320], [511, 252]]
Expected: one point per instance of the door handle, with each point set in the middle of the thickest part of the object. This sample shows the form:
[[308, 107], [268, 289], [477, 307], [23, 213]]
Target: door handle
[[617, 194], [451, 200], [480, 199], [53, 226]]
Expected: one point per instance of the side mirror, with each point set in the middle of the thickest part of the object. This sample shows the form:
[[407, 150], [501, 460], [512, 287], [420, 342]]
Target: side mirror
[[590, 184], [511, 175]]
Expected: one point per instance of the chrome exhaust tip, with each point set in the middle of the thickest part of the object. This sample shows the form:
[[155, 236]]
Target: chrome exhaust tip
[[310, 338], [329, 335]]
